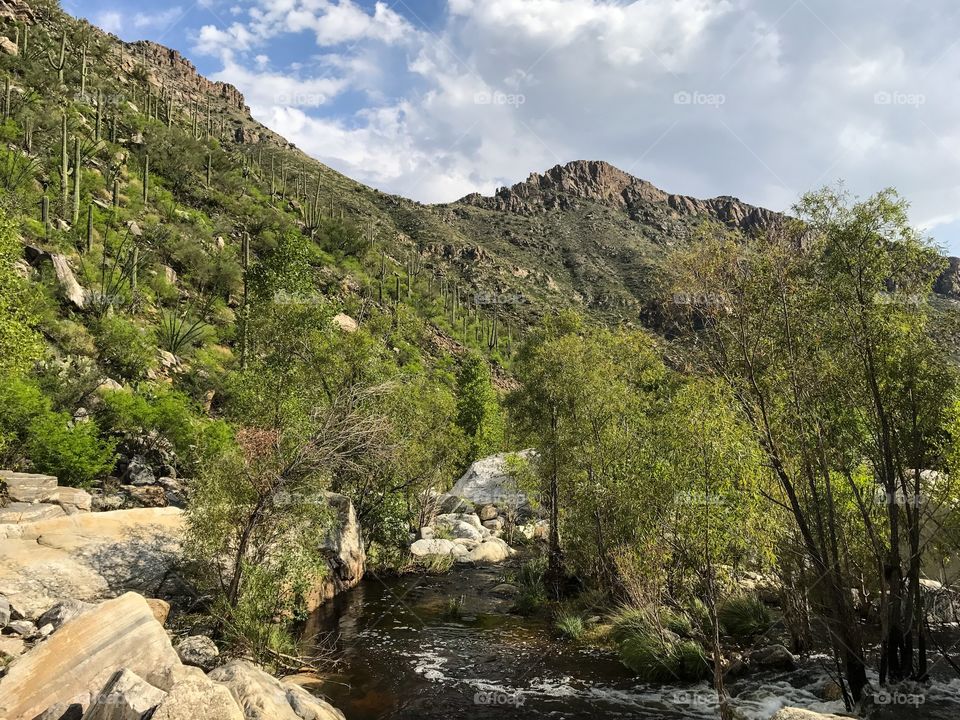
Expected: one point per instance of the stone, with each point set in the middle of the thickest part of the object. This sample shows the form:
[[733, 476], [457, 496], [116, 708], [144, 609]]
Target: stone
[[89, 557], [70, 710], [72, 500], [506, 589], [160, 609], [262, 697], [63, 612], [18, 513], [199, 651], [461, 529], [146, 496], [117, 634], [451, 504], [492, 550], [109, 385], [11, 648], [342, 547], [139, 472], [345, 322], [790, 713], [45, 630], [8, 46], [486, 481], [4, 612], [23, 628], [126, 696], [495, 525], [68, 282], [29, 487], [488, 512], [198, 699], [423, 548], [427, 533], [466, 542], [773, 657], [174, 490]]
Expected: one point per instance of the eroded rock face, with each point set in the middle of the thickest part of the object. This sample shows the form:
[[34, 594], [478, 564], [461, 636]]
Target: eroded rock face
[[126, 696], [263, 697], [198, 698], [117, 634], [88, 557], [343, 548]]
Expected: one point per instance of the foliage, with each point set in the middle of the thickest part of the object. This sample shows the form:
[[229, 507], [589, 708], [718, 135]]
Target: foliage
[[123, 347], [744, 617], [478, 408], [569, 626], [20, 345]]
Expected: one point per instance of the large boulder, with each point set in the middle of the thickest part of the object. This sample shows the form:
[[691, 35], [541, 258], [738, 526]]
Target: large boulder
[[343, 549], [87, 650], [492, 550], [199, 651], [424, 548], [18, 513], [88, 556], [263, 697], [29, 487], [791, 713], [486, 482]]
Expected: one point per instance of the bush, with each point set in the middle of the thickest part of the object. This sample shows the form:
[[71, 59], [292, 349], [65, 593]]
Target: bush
[[744, 616], [570, 626], [533, 592], [73, 452], [124, 348], [434, 564], [653, 652]]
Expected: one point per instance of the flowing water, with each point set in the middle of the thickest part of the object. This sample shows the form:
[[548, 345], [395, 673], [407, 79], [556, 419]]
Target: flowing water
[[404, 654]]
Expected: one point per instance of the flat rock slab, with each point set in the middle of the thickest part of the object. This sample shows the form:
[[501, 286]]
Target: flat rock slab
[[88, 556], [17, 513], [86, 652], [27, 487]]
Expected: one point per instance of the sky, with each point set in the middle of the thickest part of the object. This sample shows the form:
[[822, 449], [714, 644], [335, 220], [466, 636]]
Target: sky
[[433, 99]]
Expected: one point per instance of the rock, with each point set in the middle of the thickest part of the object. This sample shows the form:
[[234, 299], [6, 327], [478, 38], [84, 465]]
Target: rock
[[45, 630], [495, 525], [23, 628], [506, 589], [488, 512], [460, 550], [105, 503], [68, 283], [117, 634], [70, 710], [486, 482], [89, 557], [199, 651], [263, 697], [461, 529], [451, 504], [773, 657], [466, 542], [18, 513], [126, 696], [493, 550], [426, 533], [423, 548], [942, 603], [343, 549], [160, 609], [109, 385], [11, 648], [63, 612], [198, 699], [9, 46], [789, 713], [174, 490], [72, 500], [4, 612], [139, 472], [132, 225], [146, 496], [345, 322], [169, 274], [29, 487]]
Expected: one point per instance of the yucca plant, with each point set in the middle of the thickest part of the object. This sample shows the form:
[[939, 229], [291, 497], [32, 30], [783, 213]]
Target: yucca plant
[[177, 331]]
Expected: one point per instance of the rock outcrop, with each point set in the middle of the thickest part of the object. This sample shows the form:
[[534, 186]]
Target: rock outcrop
[[343, 549], [263, 697], [487, 482]]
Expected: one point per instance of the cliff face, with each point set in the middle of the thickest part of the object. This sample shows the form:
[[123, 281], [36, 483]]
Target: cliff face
[[560, 187]]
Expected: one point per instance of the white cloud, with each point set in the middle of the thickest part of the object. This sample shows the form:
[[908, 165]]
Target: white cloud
[[157, 21], [780, 96]]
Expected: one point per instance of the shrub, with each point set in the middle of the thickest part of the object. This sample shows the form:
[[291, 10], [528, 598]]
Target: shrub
[[653, 652], [744, 617], [73, 452], [434, 564], [570, 626], [533, 592], [124, 348]]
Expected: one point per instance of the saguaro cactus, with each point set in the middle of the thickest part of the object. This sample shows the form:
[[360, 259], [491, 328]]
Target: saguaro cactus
[[76, 181], [59, 63], [64, 166], [146, 178], [245, 327]]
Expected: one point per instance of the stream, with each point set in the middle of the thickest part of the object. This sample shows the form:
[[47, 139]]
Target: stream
[[404, 655]]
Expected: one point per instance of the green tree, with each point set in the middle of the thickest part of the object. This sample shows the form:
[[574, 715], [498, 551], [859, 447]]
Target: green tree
[[478, 408], [20, 344]]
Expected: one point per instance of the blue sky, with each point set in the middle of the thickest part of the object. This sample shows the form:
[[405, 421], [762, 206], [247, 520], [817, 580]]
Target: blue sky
[[433, 99]]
